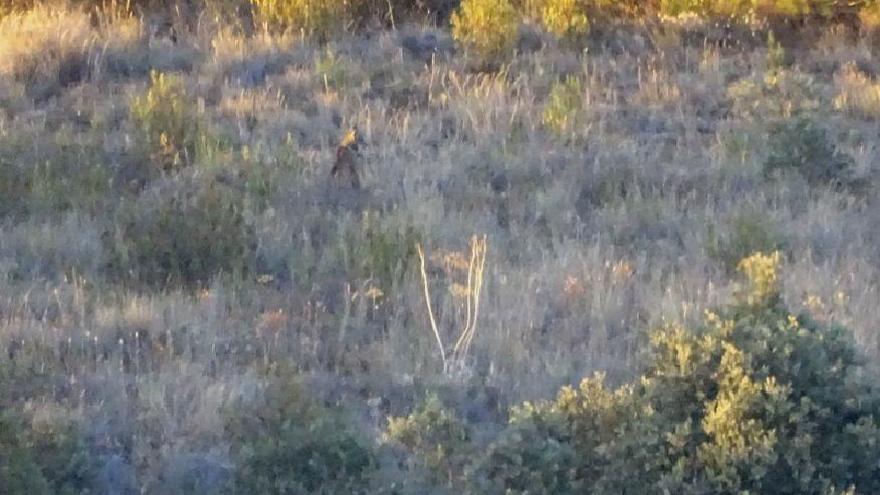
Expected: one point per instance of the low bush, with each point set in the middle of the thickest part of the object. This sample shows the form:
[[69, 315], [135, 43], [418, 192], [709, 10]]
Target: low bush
[[566, 19], [775, 95], [68, 465], [289, 444], [19, 472], [766, 9], [486, 28], [779, 92], [543, 450], [182, 236], [622, 8], [435, 437], [754, 400], [319, 18], [744, 233], [47, 174], [167, 119], [726, 8], [13, 187], [379, 247], [802, 146], [564, 106], [334, 71], [42, 457]]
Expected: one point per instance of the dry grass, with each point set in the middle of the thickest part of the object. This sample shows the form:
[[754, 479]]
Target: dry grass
[[46, 47], [595, 238], [858, 94]]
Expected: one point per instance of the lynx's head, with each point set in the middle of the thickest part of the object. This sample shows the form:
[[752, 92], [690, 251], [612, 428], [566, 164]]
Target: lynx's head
[[351, 140]]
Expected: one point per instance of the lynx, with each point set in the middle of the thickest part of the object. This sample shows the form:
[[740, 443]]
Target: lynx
[[345, 169]]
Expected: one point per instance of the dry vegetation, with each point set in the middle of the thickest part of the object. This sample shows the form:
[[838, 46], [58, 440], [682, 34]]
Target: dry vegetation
[[188, 305]]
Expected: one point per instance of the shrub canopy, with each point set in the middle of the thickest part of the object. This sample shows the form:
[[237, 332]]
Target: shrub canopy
[[754, 400]]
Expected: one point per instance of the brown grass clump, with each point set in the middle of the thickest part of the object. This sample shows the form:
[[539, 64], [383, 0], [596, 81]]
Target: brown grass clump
[[858, 93], [46, 48]]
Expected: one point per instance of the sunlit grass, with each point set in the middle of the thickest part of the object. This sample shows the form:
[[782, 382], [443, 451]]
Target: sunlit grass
[[171, 248]]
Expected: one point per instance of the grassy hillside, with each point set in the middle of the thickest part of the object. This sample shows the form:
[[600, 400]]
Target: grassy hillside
[[679, 196]]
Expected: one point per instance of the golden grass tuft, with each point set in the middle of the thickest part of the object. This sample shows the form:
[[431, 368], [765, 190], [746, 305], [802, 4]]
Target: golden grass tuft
[[46, 47], [857, 93]]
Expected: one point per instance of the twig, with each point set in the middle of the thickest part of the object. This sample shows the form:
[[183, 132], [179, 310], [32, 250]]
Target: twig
[[428, 304], [476, 268], [474, 288], [391, 15]]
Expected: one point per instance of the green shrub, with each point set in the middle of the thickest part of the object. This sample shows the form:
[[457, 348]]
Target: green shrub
[[434, 436], [486, 28], [44, 174], [792, 8], [267, 170], [802, 146], [745, 233], [13, 187], [761, 271], [184, 236], [319, 18], [566, 19], [64, 458], [19, 472], [288, 444], [742, 9], [776, 55], [43, 458], [704, 7], [564, 106], [334, 71], [545, 450], [586, 9], [754, 400], [167, 119], [380, 248], [778, 92], [610, 9], [324, 19]]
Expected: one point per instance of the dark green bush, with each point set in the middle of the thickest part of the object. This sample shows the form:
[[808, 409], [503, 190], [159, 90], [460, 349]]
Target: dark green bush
[[168, 122], [43, 458], [42, 175], [64, 458], [13, 187], [181, 236], [289, 444], [802, 146], [379, 247], [19, 472], [435, 437], [745, 233], [754, 400], [550, 463]]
